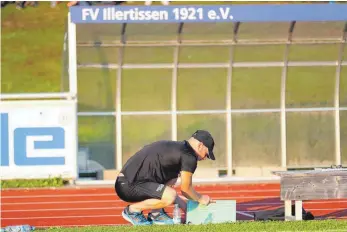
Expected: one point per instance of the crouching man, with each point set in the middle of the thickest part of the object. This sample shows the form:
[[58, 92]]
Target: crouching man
[[145, 180]]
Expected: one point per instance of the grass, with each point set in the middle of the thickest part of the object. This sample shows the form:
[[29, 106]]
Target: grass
[[326, 225], [28, 39], [32, 42], [33, 183]]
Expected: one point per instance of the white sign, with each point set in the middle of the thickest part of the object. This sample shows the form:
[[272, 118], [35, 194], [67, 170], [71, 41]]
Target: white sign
[[38, 139]]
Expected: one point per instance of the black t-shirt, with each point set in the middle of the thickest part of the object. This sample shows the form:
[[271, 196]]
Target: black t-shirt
[[160, 162]]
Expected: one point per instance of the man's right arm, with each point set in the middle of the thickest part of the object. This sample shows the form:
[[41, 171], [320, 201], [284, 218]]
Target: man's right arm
[[187, 187]]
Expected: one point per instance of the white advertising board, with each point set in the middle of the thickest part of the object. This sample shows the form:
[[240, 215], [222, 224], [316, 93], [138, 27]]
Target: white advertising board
[[38, 139]]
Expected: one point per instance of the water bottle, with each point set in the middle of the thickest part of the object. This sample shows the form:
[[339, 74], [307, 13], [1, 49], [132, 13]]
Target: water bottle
[[177, 214], [19, 228]]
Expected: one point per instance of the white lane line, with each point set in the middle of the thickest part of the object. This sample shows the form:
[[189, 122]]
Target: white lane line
[[128, 225], [62, 209], [86, 216], [113, 194], [245, 214], [305, 202], [121, 207], [82, 216], [90, 201], [216, 198]]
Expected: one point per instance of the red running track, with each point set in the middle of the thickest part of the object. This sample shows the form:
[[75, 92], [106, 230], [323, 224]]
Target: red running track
[[82, 206]]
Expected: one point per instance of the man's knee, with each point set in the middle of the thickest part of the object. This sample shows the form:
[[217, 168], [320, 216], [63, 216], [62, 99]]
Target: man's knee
[[169, 195]]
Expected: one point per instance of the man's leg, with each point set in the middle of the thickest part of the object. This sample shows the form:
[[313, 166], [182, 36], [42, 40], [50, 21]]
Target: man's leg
[[170, 183], [180, 200], [159, 216], [148, 196], [168, 198], [145, 196], [126, 192]]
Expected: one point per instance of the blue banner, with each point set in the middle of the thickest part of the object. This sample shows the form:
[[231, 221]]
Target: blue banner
[[209, 13]]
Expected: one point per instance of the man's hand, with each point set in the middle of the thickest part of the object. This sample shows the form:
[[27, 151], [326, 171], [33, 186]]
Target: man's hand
[[189, 192], [206, 200]]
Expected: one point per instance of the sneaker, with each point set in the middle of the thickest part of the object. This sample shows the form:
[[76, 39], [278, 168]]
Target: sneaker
[[135, 218], [160, 219]]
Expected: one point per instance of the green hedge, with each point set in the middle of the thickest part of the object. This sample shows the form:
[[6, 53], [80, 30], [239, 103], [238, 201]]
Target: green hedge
[[33, 183]]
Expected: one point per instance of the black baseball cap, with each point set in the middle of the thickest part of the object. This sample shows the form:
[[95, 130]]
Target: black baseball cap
[[206, 138]]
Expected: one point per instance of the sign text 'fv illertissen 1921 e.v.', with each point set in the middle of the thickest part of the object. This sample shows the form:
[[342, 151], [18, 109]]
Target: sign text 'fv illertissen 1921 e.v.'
[[157, 14]]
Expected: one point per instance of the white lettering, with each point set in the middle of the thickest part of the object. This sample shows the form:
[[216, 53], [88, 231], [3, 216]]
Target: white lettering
[[90, 13], [224, 12], [136, 14], [105, 14], [155, 15], [109, 13], [118, 15], [212, 14]]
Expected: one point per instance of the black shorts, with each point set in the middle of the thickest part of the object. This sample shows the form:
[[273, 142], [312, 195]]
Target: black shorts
[[139, 191]]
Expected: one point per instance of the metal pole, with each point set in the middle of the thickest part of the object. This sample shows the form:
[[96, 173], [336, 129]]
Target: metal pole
[[72, 57], [119, 154], [283, 99], [72, 74], [337, 99], [64, 64], [174, 85], [229, 139]]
